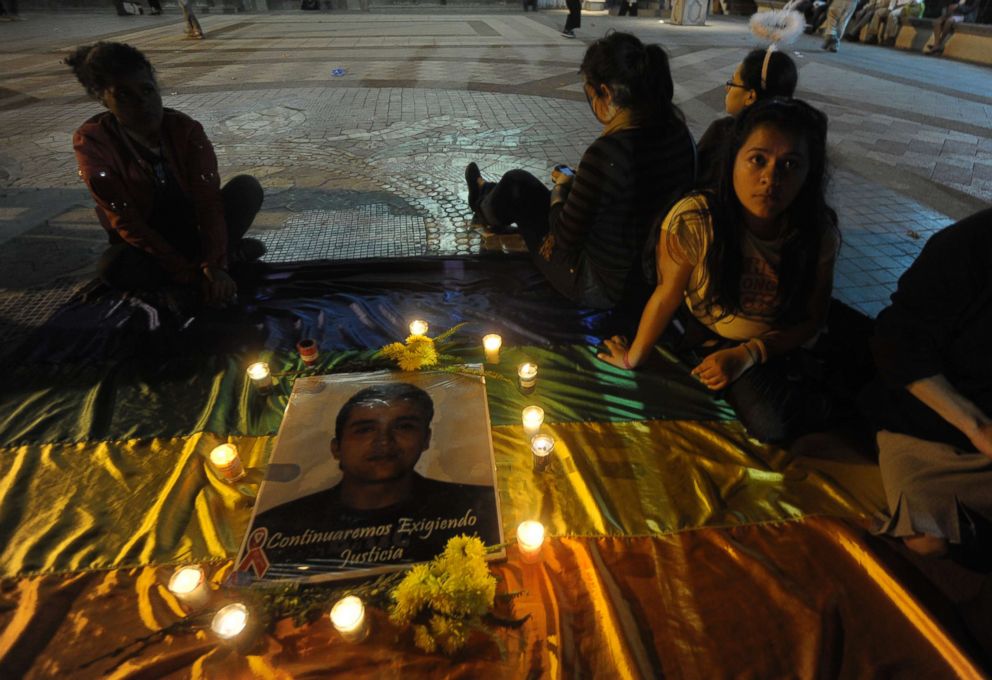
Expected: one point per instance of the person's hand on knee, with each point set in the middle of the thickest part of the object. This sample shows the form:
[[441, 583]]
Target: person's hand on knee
[[218, 287], [723, 367]]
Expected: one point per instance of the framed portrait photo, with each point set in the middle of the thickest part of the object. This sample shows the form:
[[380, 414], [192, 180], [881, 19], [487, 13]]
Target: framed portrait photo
[[373, 472]]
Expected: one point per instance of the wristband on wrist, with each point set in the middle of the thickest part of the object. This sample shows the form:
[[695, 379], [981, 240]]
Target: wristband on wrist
[[750, 354], [626, 362], [756, 347]]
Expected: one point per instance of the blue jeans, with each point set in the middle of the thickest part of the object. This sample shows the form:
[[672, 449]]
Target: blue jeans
[[776, 401], [521, 198]]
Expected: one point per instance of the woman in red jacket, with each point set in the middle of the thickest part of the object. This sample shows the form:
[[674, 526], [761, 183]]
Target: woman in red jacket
[[153, 174]]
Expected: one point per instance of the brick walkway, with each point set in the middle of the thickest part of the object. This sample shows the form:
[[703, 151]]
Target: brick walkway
[[369, 163]]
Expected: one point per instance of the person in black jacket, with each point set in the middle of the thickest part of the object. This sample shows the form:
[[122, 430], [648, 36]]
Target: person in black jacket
[[587, 235], [932, 398]]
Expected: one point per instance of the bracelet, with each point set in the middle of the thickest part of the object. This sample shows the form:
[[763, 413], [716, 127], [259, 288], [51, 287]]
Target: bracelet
[[626, 363], [756, 347], [750, 353]]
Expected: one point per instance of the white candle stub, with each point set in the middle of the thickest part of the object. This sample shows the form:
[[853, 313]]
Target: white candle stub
[[542, 445], [527, 373], [418, 327], [226, 461], [530, 538], [229, 621], [260, 375], [189, 586], [492, 343], [348, 617], [533, 418]]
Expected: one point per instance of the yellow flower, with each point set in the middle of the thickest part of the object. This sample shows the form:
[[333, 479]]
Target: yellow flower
[[418, 352], [464, 547], [422, 638], [456, 589], [415, 591], [394, 350], [450, 634]]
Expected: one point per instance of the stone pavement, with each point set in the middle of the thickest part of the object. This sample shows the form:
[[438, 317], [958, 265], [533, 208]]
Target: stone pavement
[[369, 163]]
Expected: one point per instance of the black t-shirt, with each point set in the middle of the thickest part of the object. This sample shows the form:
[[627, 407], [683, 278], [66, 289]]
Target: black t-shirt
[[323, 535], [173, 213]]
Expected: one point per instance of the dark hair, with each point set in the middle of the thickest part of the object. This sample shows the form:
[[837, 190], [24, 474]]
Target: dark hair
[[97, 65], [808, 212], [638, 74], [781, 79], [388, 393]]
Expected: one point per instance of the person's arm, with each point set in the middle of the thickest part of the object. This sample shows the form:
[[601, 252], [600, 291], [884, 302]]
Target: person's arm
[[941, 396], [112, 194], [674, 269], [723, 367], [576, 204]]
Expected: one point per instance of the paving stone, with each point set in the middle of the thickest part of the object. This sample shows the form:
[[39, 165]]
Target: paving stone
[[370, 164]]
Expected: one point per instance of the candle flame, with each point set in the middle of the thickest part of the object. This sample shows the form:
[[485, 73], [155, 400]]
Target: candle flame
[[492, 341], [230, 620], [530, 534], [258, 370], [223, 455], [185, 580], [347, 613]]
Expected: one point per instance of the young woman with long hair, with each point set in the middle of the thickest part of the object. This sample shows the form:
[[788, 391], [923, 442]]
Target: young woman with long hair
[[750, 264]]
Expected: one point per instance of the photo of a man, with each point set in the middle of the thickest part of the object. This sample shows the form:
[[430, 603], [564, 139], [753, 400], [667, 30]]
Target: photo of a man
[[381, 511]]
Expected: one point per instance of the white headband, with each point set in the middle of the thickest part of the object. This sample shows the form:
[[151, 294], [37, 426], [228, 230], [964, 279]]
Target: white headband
[[764, 67]]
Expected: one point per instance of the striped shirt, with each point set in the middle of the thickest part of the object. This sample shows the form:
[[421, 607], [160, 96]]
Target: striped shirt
[[624, 182]]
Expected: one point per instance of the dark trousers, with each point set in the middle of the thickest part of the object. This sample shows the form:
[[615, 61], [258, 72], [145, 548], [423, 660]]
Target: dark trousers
[[776, 401], [574, 19], [627, 8], [521, 198], [532, 4], [124, 267]]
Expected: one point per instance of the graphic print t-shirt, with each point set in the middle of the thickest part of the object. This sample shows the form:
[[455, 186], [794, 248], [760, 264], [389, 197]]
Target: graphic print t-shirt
[[689, 228]]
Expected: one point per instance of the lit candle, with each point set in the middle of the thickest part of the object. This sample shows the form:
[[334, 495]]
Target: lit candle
[[226, 461], [348, 617], [530, 538], [190, 587], [308, 351], [533, 418], [229, 621], [492, 343], [542, 445], [527, 373], [259, 374], [418, 327]]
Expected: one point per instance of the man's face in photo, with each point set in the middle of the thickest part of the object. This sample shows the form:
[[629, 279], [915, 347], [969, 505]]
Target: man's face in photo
[[381, 441]]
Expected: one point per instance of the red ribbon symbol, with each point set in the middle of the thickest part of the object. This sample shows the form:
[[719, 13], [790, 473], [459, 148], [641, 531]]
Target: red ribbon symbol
[[255, 558]]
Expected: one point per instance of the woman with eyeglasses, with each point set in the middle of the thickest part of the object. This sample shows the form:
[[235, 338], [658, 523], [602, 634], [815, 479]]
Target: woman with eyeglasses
[[748, 266], [587, 234], [762, 74]]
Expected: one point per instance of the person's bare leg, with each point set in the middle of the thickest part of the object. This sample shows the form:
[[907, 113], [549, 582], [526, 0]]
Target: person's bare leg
[[926, 545]]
